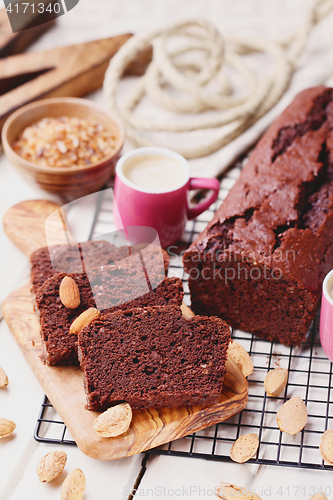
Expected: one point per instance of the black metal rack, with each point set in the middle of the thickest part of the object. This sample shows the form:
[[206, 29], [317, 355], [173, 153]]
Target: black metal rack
[[310, 377]]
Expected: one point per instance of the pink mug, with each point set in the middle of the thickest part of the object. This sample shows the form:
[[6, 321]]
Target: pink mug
[[166, 211], [326, 316]]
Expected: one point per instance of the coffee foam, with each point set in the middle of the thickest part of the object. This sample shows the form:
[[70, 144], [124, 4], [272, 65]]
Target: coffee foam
[[155, 173]]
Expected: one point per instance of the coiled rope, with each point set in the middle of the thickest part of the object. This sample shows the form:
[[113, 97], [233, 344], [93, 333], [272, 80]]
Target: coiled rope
[[192, 76]]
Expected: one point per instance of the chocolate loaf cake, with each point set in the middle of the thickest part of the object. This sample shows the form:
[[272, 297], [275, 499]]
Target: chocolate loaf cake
[[261, 261], [153, 357], [109, 289], [46, 262]]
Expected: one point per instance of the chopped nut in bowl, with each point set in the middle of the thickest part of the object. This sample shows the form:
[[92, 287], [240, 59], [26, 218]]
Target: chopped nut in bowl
[[67, 146], [65, 142]]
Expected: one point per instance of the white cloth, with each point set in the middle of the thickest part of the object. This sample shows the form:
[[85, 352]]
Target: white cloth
[[264, 18]]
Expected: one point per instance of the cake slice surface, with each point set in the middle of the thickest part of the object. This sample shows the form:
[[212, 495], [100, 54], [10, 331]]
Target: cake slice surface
[[153, 357], [108, 289], [49, 261]]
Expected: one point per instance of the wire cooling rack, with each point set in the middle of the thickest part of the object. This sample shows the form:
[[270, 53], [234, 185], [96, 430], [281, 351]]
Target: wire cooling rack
[[310, 377]]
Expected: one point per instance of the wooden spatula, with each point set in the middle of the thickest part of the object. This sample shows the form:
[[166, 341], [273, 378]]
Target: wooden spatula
[[14, 43], [70, 71]]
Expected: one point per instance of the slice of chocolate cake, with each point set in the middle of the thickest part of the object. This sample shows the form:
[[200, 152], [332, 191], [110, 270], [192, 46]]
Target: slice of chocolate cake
[[46, 262], [108, 289], [153, 357]]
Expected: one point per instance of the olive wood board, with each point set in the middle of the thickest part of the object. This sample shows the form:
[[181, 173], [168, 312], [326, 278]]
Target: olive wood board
[[64, 385]]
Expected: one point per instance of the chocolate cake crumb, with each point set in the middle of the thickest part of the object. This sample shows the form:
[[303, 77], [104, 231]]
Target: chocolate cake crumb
[[153, 357]]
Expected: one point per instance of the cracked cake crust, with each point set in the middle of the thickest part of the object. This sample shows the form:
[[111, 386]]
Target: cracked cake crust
[[277, 219]]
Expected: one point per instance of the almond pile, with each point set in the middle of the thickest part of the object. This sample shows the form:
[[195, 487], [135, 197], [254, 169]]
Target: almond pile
[[51, 466], [69, 294]]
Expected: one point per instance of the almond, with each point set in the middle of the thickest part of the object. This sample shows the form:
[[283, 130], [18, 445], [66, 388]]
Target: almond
[[276, 381], [244, 448], [74, 485], [240, 357], [3, 378], [69, 293], [51, 466], [115, 421], [7, 427], [186, 311], [292, 416], [83, 320], [228, 491], [326, 446], [319, 496]]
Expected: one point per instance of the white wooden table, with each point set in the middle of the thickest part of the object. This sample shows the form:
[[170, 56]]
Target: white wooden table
[[165, 477]]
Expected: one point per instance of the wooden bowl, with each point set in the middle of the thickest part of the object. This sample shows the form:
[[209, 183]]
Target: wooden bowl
[[72, 182]]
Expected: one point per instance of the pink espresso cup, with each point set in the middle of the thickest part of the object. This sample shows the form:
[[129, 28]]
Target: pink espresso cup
[[326, 316], [166, 211]]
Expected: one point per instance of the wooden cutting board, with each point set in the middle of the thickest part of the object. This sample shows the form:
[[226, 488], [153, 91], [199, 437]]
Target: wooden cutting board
[[24, 225]]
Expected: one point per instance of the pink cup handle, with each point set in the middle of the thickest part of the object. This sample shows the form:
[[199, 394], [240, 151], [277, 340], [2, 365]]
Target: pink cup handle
[[203, 183]]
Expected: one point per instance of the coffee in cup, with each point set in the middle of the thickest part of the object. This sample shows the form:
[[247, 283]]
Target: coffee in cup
[[151, 190], [155, 173]]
